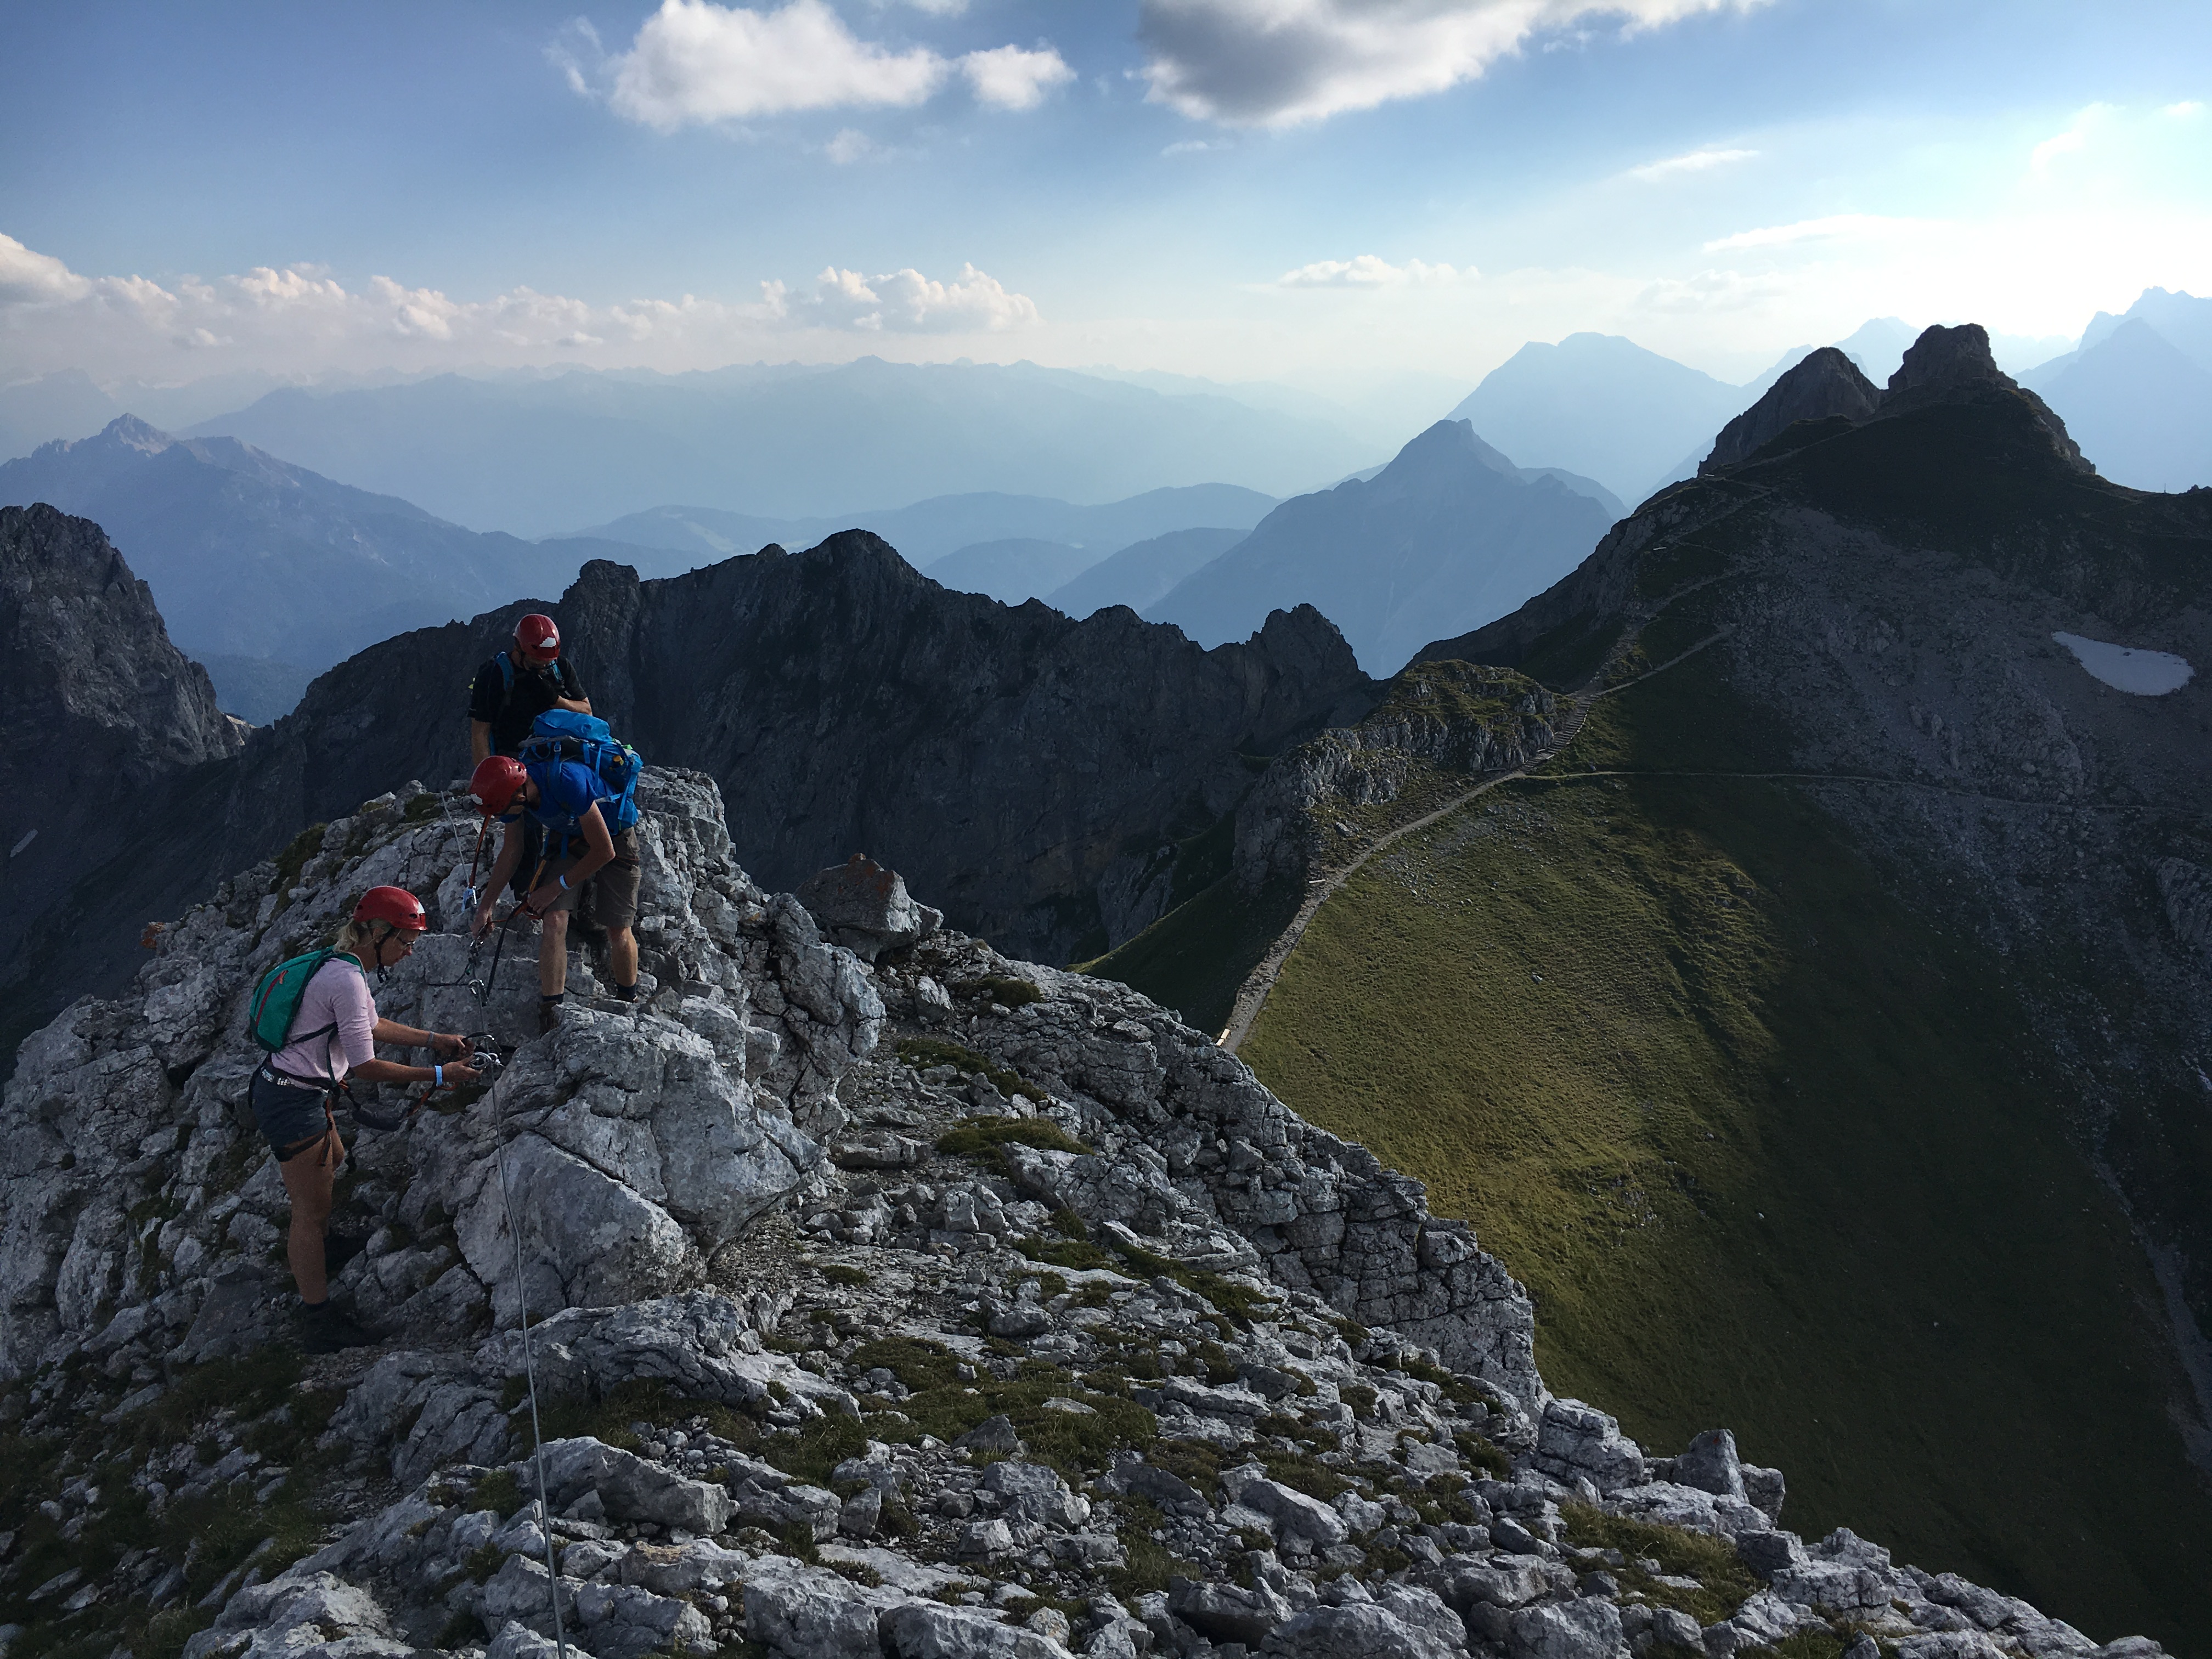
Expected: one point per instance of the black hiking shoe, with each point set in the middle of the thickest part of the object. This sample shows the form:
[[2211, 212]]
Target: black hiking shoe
[[324, 1329], [548, 1014]]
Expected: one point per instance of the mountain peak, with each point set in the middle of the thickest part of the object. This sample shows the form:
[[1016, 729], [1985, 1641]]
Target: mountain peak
[[1945, 357], [1823, 384], [129, 432]]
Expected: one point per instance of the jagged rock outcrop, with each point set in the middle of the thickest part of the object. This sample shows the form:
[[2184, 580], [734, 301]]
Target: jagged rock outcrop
[[108, 713], [1117, 1355], [1005, 759], [1439, 721], [1823, 385], [1943, 365]]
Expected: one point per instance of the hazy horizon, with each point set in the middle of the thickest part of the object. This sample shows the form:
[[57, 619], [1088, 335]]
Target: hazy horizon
[[1327, 195]]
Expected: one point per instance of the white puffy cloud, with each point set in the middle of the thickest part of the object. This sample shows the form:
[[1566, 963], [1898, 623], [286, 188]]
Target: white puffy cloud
[[1710, 291], [2072, 141], [907, 302], [1275, 63], [1367, 271], [29, 278], [694, 63], [300, 320], [1697, 160], [848, 146], [1013, 77]]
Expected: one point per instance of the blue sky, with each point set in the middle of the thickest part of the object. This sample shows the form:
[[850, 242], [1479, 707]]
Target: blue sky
[[1324, 191]]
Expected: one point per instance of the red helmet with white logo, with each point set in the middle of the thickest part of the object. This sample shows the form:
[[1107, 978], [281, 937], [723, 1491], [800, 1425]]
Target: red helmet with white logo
[[496, 782], [394, 905], [536, 638]]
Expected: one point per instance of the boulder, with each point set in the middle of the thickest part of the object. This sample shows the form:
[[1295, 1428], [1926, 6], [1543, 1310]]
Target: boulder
[[631, 1488], [865, 908]]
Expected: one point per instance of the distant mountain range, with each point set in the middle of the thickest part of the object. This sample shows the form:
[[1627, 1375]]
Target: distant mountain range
[[1140, 575], [537, 456], [928, 530], [251, 558], [1450, 528], [2137, 395]]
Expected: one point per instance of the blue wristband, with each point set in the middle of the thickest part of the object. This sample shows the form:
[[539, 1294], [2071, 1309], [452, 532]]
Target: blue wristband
[[438, 1077], [563, 880]]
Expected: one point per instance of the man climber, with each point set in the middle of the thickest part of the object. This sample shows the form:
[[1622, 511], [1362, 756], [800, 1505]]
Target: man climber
[[563, 800]]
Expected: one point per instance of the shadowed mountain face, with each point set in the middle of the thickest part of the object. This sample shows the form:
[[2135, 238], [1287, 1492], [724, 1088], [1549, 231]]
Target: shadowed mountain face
[[1905, 716], [1450, 528], [2140, 406], [109, 718], [250, 556], [1014, 760], [1144, 573]]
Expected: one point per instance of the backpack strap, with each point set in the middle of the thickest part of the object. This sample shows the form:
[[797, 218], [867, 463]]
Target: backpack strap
[[505, 674]]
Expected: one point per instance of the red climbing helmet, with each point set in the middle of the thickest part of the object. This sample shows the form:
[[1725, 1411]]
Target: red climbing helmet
[[393, 905], [496, 782], [536, 638]]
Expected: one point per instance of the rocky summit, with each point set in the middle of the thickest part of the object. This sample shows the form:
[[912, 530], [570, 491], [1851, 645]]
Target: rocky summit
[[938, 1306]]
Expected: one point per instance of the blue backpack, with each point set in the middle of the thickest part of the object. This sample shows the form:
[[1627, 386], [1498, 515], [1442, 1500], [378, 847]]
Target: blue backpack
[[563, 734]]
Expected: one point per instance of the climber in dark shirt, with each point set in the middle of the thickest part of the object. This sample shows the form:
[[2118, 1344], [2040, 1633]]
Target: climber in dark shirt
[[518, 685], [511, 689]]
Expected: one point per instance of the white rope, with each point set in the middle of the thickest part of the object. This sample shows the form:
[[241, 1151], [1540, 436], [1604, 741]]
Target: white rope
[[529, 1370]]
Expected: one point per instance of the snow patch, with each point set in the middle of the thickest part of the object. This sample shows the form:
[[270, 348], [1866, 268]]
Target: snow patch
[[2142, 673]]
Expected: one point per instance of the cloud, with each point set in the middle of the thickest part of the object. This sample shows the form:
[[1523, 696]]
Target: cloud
[[1368, 271], [907, 302], [1009, 77], [28, 278], [1276, 63], [1711, 290], [2072, 140], [2187, 109], [1697, 160], [1194, 146], [1836, 228], [300, 320], [694, 63], [849, 146]]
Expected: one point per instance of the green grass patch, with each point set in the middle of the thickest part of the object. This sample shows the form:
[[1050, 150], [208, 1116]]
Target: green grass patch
[[1000, 988], [1076, 1445], [923, 1053], [641, 1400], [851, 1278], [982, 1141], [1724, 1583], [1196, 957], [1706, 1089]]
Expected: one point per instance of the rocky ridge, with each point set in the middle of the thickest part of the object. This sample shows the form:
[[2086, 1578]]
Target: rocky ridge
[[947, 1305]]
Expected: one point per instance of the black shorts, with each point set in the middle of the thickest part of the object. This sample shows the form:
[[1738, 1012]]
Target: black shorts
[[287, 1115]]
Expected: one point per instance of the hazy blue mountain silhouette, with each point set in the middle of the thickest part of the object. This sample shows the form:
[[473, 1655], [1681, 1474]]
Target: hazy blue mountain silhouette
[[928, 530], [2140, 407], [1602, 406], [538, 456], [1009, 571], [1448, 529], [2183, 320], [249, 556], [1145, 573]]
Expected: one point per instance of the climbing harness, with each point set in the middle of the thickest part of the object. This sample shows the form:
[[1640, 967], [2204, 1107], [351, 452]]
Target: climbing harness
[[528, 1370]]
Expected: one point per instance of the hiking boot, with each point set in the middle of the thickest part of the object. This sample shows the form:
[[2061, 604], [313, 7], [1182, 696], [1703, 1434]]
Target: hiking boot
[[326, 1330], [548, 1015], [338, 1249]]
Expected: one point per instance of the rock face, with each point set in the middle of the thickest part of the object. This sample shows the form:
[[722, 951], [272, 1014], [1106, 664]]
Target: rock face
[[1825, 385], [1024, 752], [109, 714], [1125, 1359]]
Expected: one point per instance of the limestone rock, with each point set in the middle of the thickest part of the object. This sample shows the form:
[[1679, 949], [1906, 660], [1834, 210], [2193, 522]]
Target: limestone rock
[[866, 907]]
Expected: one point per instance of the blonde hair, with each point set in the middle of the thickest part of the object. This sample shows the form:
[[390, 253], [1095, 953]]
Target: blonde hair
[[356, 939]]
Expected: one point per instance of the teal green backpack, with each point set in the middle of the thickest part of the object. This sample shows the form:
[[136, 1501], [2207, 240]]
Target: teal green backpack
[[276, 1002]]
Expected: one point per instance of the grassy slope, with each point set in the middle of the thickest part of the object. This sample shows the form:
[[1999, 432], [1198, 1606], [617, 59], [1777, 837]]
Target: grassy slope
[[1195, 958], [1770, 1152]]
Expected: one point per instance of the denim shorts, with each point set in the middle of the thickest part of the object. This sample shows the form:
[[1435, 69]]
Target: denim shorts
[[288, 1115]]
